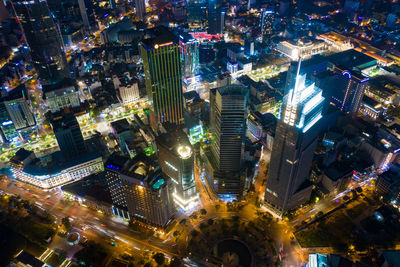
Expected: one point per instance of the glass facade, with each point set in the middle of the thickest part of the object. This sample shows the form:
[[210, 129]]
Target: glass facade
[[44, 39]]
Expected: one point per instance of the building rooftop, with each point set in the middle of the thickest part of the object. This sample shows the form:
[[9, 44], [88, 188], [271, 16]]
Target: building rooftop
[[120, 126], [159, 36], [91, 186], [352, 60], [58, 163], [140, 167], [29, 260]]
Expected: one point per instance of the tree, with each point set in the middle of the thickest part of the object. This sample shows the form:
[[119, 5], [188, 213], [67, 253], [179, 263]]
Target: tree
[[159, 258], [203, 211], [217, 207], [202, 226], [194, 233], [176, 233], [175, 262], [182, 222], [210, 221], [67, 224], [92, 255]]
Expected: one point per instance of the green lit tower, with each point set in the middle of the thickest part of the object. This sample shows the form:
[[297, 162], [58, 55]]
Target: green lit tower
[[163, 78]]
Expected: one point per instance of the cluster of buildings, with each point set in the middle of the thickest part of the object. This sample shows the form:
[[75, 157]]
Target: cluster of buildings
[[213, 85]]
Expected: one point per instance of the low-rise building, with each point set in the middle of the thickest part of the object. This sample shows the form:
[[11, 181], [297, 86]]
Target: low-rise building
[[91, 192], [54, 170]]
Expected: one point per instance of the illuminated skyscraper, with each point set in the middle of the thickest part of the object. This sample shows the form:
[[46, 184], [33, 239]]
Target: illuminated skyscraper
[[189, 48], [294, 144], [216, 17], [163, 78], [229, 112], [176, 157], [43, 38]]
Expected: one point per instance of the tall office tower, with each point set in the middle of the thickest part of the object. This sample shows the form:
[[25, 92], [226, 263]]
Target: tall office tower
[[294, 144], [139, 190], [267, 20], [197, 14], [87, 14], [189, 48], [162, 69], [43, 38], [229, 105], [176, 157], [216, 17], [140, 6], [68, 134]]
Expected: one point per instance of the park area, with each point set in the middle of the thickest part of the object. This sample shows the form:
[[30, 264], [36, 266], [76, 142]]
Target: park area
[[361, 226]]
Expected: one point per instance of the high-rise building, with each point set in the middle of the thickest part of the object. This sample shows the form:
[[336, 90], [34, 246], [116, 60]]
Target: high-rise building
[[163, 78], [197, 14], [294, 144], [216, 17], [176, 157], [267, 20], [43, 38], [139, 190], [140, 6], [68, 134], [87, 14], [19, 109], [16, 114], [189, 51], [189, 47], [229, 105]]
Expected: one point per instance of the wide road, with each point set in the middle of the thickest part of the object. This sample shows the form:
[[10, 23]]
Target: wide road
[[88, 223]]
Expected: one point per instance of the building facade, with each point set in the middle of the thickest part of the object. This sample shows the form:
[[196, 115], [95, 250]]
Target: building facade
[[176, 158], [228, 123], [68, 134], [294, 144], [58, 98], [139, 190], [216, 17], [163, 78], [59, 173], [140, 6], [43, 38]]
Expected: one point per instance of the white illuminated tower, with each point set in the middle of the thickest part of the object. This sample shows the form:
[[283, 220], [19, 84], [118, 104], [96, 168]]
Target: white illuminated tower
[[294, 145]]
